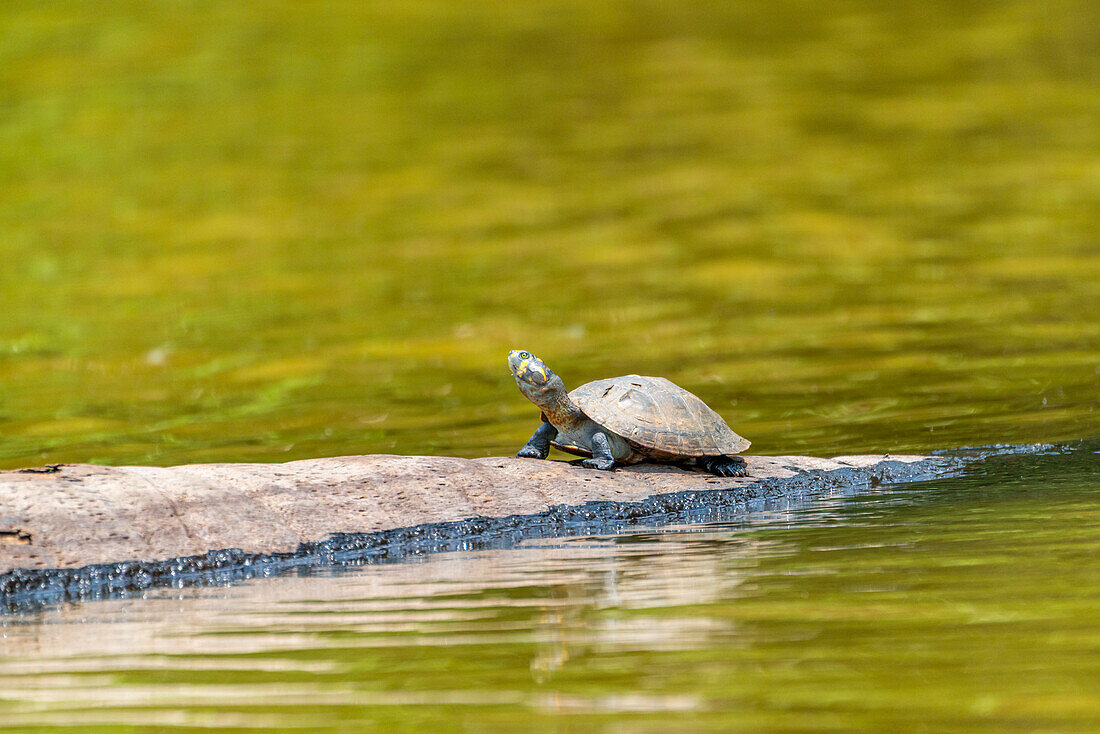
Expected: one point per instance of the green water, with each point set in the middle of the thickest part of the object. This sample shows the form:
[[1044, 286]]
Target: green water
[[963, 605], [234, 231], [231, 232]]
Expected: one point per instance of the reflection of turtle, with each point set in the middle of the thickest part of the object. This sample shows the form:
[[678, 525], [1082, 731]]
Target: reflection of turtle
[[625, 420]]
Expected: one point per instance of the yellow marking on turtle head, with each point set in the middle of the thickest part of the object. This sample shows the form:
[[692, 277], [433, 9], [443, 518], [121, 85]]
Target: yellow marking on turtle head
[[526, 366]]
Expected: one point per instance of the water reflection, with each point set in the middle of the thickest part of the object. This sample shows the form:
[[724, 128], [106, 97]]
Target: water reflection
[[543, 598], [966, 602]]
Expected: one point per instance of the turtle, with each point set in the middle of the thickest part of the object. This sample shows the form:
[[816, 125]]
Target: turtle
[[625, 420]]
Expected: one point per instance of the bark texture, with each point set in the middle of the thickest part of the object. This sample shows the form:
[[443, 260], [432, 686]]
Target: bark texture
[[74, 515]]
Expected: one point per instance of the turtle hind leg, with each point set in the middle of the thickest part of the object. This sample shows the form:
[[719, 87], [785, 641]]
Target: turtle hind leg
[[723, 466]]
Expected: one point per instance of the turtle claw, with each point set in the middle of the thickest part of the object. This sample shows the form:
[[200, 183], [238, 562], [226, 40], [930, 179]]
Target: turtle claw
[[725, 466], [736, 469], [531, 452], [601, 464]]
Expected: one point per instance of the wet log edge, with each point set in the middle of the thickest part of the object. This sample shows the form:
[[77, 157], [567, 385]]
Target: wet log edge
[[27, 589]]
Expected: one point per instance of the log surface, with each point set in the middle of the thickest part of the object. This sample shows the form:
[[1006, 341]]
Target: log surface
[[79, 514]]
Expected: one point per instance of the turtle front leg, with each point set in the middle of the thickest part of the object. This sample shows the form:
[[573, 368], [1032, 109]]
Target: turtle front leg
[[538, 446], [601, 453]]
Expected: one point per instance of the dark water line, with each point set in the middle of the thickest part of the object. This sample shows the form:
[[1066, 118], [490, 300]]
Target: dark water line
[[24, 590]]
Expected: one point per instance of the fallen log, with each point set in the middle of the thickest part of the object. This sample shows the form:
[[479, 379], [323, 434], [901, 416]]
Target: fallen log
[[73, 515]]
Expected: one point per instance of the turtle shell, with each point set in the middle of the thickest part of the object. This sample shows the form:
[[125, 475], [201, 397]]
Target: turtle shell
[[657, 415]]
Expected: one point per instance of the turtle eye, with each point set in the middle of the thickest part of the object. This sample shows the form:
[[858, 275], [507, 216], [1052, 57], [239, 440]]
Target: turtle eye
[[525, 355]]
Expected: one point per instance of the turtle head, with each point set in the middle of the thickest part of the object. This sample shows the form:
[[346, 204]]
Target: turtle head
[[534, 378]]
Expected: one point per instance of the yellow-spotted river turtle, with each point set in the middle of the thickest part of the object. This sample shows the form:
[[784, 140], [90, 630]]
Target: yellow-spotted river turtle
[[625, 420]]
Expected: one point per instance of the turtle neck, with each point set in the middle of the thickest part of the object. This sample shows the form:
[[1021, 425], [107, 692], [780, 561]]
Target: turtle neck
[[554, 401]]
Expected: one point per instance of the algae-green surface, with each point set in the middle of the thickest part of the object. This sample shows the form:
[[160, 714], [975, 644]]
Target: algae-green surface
[[265, 231], [237, 231]]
